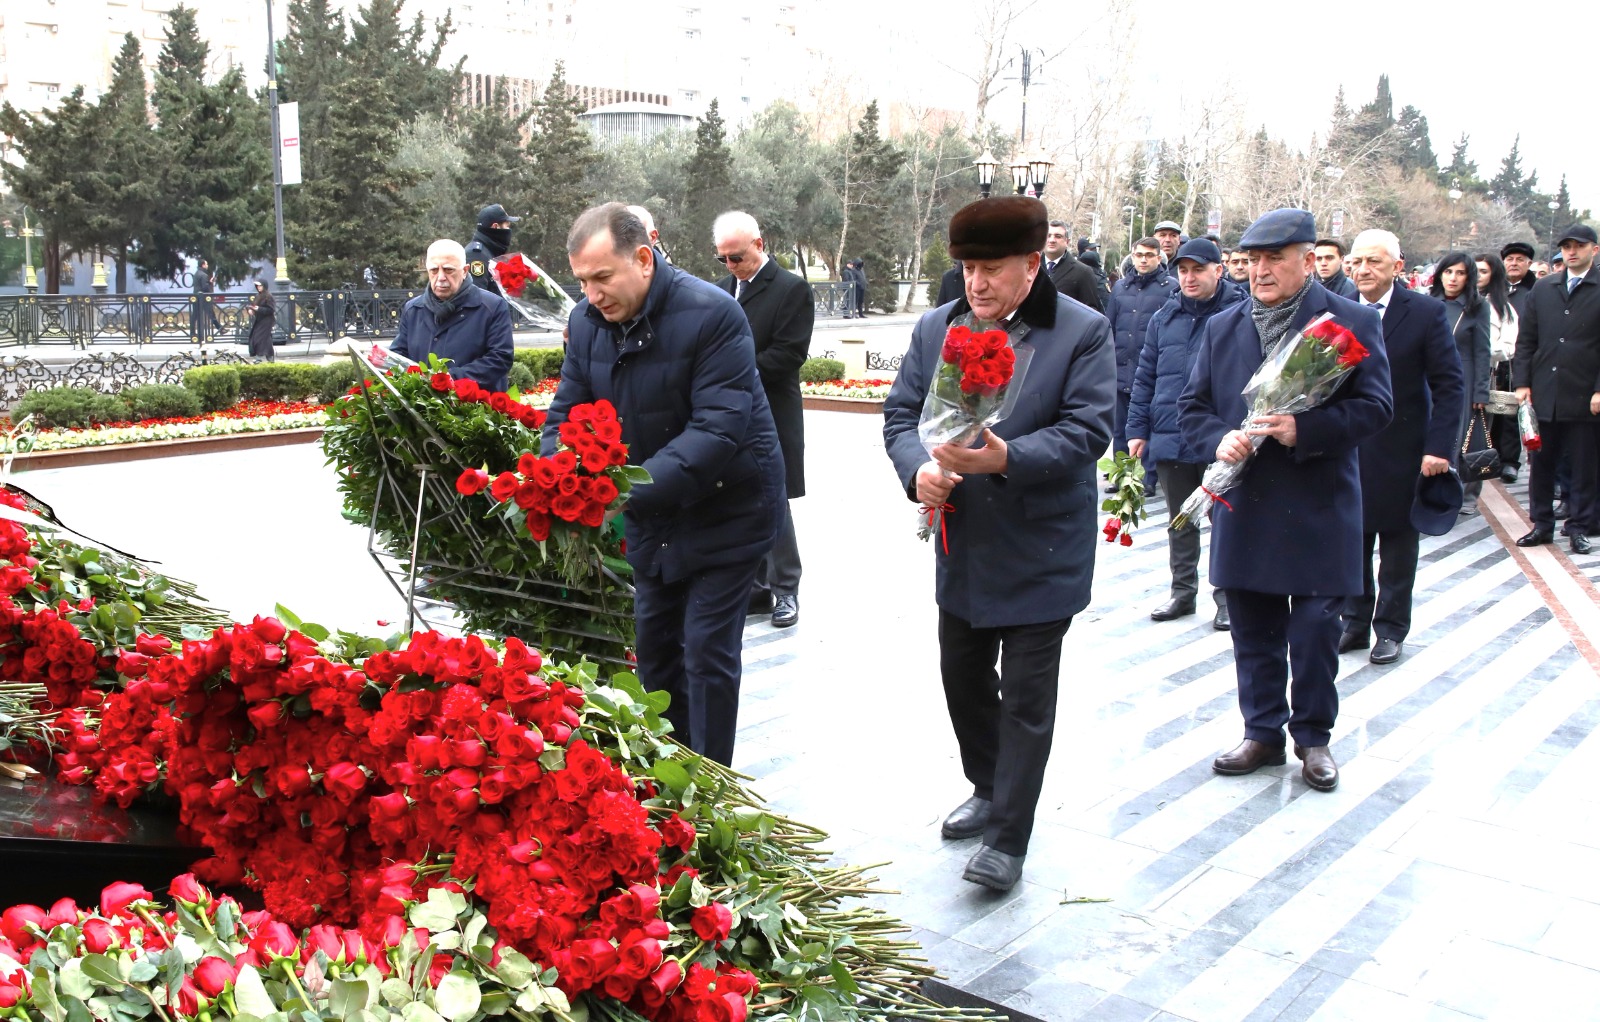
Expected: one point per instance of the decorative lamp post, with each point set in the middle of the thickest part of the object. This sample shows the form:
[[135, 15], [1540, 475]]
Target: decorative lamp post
[[1039, 169], [985, 164], [1552, 206], [1019, 176], [281, 276], [1127, 211], [1455, 197], [31, 279]]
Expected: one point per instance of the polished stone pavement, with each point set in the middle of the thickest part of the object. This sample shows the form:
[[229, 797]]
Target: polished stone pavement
[[1455, 873]]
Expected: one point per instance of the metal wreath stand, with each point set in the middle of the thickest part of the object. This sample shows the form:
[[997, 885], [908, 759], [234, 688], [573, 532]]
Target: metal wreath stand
[[419, 470]]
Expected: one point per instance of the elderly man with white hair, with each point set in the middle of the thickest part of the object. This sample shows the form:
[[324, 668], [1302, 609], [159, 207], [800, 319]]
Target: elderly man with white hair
[[650, 229], [467, 325], [1418, 444]]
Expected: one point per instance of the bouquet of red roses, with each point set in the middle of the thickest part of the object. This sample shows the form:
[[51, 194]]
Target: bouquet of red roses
[[975, 386], [1304, 372], [1528, 427]]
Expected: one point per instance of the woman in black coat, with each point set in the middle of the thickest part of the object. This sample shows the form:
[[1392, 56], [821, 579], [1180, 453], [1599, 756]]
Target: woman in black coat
[[262, 316], [1455, 282]]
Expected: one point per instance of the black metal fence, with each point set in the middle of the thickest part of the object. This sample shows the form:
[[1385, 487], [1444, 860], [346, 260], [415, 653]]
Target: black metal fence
[[84, 320], [106, 371]]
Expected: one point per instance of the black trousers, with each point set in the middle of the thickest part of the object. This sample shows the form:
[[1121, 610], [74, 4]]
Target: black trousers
[[779, 573], [1503, 428], [1119, 422], [1386, 608], [1271, 634], [690, 645], [1178, 480], [1004, 721], [1579, 442]]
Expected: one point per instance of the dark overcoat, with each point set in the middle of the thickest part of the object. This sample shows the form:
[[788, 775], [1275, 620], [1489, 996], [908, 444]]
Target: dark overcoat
[[1076, 280], [1022, 544], [952, 285], [693, 414], [476, 337], [481, 252], [1558, 347], [1341, 285], [1293, 525], [781, 312], [1426, 380], [263, 314], [1133, 301], [1170, 346]]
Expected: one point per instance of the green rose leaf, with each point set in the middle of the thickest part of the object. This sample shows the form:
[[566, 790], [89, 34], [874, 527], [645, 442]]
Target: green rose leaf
[[250, 994], [514, 970], [395, 993], [74, 983], [457, 997]]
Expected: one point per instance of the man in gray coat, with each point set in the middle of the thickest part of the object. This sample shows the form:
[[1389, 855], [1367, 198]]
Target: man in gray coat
[[1015, 560]]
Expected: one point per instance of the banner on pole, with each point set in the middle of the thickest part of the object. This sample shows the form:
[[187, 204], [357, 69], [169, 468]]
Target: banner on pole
[[1214, 221], [289, 142]]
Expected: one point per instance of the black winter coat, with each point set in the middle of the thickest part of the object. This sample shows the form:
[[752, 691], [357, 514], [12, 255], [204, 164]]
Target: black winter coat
[[952, 285], [263, 314], [694, 415], [781, 312], [1426, 381], [476, 338], [1076, 280], [1558, 347], [487, 245], [1133, 301], [1165, 361]]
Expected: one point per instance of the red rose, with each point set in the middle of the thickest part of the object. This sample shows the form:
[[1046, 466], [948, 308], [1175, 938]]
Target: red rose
[[187, 889], [504, 485], [187, 1002], [440, 381], [1127, 539], [712, 922], [344, 782], [213, 975], [15, 921], [265, 715], [471, 482], [119, 896], [639, 959], [9, 995], [538, 523], [98, 936]]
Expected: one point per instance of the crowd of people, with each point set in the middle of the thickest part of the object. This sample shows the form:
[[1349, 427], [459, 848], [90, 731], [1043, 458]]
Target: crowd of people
[[1313, 556]]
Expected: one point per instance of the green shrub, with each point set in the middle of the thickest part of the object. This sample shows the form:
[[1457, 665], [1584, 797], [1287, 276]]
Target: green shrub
[[821, 370], [67, 407], [337, 377], [520, 377], [544, 363], [160, 401], [279, 381], [217, 387]]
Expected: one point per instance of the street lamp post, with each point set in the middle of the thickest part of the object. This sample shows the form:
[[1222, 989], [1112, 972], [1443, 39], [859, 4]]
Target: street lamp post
[[1552, 206], [985, 164], [30, 280], [1455, 197], [1127, 211], [281, 278], [1039, 169], [1019, 175]]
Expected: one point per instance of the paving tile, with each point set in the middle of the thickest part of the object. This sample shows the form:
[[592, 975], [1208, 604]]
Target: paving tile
[[1059, 1000]]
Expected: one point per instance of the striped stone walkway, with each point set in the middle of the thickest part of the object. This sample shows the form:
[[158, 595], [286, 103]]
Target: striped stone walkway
[[1454, 874]]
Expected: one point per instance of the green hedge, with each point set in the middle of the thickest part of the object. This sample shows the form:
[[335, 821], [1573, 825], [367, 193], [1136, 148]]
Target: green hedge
[[821, 370], [337, 378], [520, 378], [279, 381], [70, 407], [217, 387], [160, 401], [543, 363]]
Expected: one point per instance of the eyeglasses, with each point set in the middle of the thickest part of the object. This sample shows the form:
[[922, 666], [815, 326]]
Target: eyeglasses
[[730, 260]]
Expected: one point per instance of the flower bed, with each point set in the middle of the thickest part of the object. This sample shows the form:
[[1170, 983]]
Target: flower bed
[[246, 417], [868, 390]]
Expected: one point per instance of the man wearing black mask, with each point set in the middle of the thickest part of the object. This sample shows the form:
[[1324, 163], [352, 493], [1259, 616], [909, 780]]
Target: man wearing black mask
[[489, 242]]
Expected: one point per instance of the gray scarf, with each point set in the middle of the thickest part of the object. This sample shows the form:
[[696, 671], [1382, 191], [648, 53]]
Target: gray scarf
[[1272, 321], [444, 308]]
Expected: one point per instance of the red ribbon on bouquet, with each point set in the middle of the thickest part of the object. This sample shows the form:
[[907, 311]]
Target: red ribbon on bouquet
[[942, 509], [1216, 497]]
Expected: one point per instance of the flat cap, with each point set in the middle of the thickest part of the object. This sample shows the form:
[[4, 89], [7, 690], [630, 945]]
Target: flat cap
[[1167, 225], [1279, 228], [1006, 225], [1521, 248], [1201, 250], [1436, 503], [1579, 232], [495, 214]]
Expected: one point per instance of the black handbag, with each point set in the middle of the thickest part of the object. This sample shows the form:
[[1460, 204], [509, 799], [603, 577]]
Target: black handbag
[[1480, 460]]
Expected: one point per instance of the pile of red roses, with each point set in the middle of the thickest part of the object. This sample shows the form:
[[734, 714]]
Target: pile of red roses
[[470, 392], [985, 358], [328, 788], [514, 273]]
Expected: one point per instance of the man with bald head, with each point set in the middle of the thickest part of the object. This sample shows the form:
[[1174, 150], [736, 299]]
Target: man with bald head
[[465, 324]]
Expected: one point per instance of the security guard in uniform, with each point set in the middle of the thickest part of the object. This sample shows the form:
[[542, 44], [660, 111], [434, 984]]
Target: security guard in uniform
[[489, 242]]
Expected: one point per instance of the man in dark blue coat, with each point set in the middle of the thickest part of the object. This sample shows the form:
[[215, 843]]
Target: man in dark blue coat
[[1429, 396], [1154, 434], [1287, 544], [1330, 253], [675, 355], [1017, 556], [1133, 301], [455, 320]]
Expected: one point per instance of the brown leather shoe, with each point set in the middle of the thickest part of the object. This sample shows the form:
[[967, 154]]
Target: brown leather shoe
[[1319, 769], [1249, 757]]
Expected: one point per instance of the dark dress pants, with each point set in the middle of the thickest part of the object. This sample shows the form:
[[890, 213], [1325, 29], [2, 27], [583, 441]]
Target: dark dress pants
[[1271, 634], [779, 573], [690, 645], [1503, 428], [1386, 608], [1178, 480], [1119, 439], [1579, 442], [1004, 721]]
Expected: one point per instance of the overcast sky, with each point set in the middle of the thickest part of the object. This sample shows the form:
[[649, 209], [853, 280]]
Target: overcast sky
[[1491, 70]]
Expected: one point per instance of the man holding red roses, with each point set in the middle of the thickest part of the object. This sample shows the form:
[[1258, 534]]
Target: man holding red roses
[[1016, 558]]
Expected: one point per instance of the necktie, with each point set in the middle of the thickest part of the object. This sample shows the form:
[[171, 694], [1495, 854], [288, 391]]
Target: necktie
[[1572, 284], [1050, 267], [739, 294]]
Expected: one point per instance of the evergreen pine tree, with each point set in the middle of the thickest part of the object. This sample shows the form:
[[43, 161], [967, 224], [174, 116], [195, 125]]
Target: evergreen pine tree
[[498, 169], [1461, 168], [1368, 127], [1511, 187], [123, 190], [52, 174], [1416, 149], [710, 193], [873, 163], [560, 151]]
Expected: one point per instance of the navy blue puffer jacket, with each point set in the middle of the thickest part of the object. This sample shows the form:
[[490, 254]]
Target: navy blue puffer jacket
[[1164, 363], [1133, 301]]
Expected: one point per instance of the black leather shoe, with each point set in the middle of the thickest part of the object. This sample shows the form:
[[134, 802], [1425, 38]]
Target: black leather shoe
[[1538, 537], [1318, 767], [760, 602], [994, 869], [1349, 642], [785, 611], [967, 819], [1249, 757], [1580, 543], [1508, 473], [1220, 622], [1562, 512], [1387, 651], [1173, 608]]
